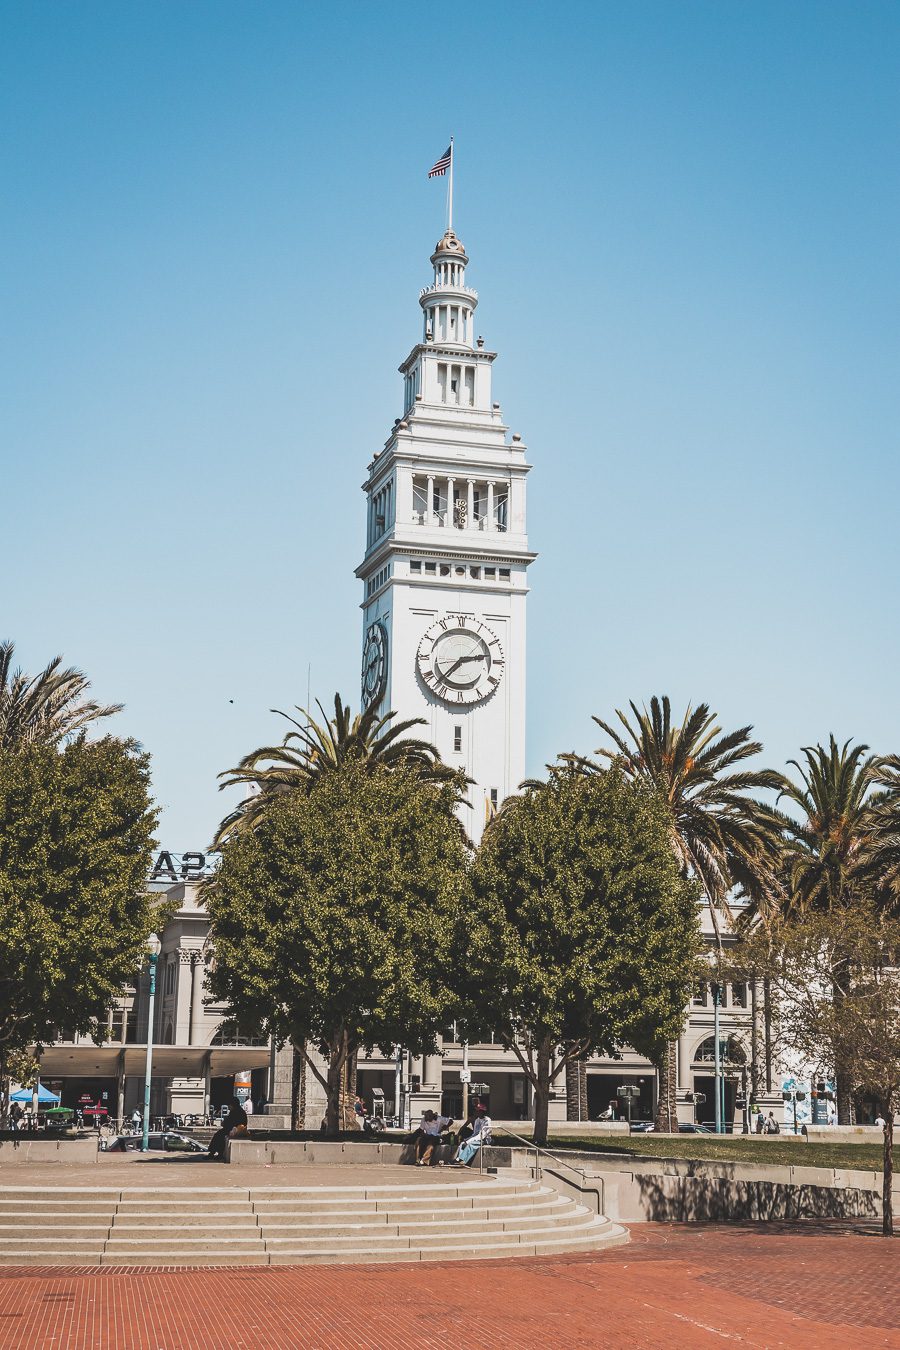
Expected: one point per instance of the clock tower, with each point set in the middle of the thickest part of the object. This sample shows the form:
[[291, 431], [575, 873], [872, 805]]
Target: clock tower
[[445, 568]]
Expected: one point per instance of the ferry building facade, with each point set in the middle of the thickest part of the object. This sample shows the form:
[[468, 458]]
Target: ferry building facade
[[445, 585]]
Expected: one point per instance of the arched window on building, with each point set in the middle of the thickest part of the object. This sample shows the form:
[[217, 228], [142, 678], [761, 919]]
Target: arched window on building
[[732, 1051], [228, 1033]]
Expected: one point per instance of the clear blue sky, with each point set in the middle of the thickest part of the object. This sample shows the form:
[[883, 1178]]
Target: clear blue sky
[[682, 221]]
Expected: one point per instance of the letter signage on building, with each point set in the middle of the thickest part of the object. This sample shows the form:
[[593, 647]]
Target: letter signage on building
[[172, 867]]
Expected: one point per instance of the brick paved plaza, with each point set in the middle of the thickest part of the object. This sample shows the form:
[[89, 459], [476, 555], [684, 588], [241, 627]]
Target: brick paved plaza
[[673, 1287]]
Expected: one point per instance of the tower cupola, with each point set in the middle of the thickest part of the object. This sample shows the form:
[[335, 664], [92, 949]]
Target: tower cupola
[[449, 304]]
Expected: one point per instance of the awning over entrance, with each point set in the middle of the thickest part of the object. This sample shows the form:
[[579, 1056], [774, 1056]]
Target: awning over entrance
[[169, 1061]]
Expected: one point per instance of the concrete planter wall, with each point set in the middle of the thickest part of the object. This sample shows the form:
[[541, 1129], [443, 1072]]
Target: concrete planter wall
[[13, 1152], [648, 1190], [260, 1152]]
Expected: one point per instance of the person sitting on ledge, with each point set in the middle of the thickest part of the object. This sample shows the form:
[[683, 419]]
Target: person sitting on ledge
[[235, 1121], [429, 1134], [481, 1134]]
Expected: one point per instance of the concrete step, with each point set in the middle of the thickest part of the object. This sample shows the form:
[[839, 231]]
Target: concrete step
[[161, 1214], [26, 1257], [32, 1208], [166, 1247], [26, 1222], [178, 1232], [26, 1229], [9, 1247], [144, 1223], [375, 1232], [320, 1214], [177, 1256], [464, 1195], [330, 1256]]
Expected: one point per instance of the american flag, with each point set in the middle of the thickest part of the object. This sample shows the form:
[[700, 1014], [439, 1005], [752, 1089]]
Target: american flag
[[442, 165]]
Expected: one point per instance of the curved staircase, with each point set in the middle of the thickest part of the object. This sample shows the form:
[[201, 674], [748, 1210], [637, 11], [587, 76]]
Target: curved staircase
[[294, 1225]]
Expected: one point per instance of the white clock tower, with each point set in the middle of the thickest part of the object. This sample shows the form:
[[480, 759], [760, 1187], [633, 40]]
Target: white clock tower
[[445, 569]]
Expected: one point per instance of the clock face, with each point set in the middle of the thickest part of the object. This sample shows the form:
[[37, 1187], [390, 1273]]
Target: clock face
[[374, 664], [460, 659]]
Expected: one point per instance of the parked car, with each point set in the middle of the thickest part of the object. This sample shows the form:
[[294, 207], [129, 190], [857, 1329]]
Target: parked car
[[160, 1141], [642, 1127], [684, 1128]]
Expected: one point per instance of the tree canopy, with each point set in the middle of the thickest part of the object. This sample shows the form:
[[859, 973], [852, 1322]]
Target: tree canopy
[[76, 836], [584, 934], [835, 973], [333, 918]]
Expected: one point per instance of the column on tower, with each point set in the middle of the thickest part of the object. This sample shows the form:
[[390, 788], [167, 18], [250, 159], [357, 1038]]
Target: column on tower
[[451, 514], [470, 506], [490, 504]]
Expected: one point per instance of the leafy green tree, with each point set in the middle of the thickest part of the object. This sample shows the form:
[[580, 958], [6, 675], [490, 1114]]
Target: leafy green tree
[[583, 935], [837, 851], [720, 834], [333, 918], [76, 836], [835, 972], [44, 709], [313, 750]]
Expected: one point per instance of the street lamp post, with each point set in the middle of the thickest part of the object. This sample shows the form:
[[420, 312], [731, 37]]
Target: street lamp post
[[717, 998], [153, 949]]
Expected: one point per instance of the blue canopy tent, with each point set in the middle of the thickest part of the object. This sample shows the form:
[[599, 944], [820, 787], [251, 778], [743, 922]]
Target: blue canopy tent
[[44, 1095]]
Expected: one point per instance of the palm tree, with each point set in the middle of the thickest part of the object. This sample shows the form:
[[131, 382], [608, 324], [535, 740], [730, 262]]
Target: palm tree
[[831, 848], [845, 845], [721, 836], [885, 846], [47, 708], [313, 749]]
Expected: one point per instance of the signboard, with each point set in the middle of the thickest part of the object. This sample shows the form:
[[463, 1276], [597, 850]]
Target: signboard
[[172, 867]]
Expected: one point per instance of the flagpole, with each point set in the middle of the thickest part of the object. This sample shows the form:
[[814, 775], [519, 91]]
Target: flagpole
[[450, 193]]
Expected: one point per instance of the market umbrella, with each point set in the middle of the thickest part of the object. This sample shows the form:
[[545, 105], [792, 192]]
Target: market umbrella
[[27, 1095]]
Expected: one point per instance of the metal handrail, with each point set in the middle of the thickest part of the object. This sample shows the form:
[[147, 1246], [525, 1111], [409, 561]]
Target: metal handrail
[[530, 1144]]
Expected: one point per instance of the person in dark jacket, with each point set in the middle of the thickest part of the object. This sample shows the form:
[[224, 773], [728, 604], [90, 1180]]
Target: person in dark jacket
[[236, 1118]]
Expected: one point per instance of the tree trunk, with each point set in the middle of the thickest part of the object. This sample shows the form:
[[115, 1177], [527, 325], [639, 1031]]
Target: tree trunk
[[298, 1088], [542, 1093], [576, 1089], [335, 1083], [4, 1095], [842, 1086], [666, 1121], [348, 1090], [843, 1079], [887, 1205]]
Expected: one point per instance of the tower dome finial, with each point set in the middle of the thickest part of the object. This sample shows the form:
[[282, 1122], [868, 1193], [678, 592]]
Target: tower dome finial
[[450, 243]]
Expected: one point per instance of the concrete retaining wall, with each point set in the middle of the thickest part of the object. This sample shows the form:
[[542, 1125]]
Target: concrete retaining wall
[[13, 1152], [682, 1192], [259, 1152]]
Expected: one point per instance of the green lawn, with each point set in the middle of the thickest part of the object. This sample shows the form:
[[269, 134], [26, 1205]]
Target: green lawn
[[726, 1148]]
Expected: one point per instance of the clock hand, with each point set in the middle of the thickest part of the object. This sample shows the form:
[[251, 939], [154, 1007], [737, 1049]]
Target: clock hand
[[477, 656]]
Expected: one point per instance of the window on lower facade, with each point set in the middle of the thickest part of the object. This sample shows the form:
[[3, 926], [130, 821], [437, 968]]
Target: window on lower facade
[[739, 994]]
